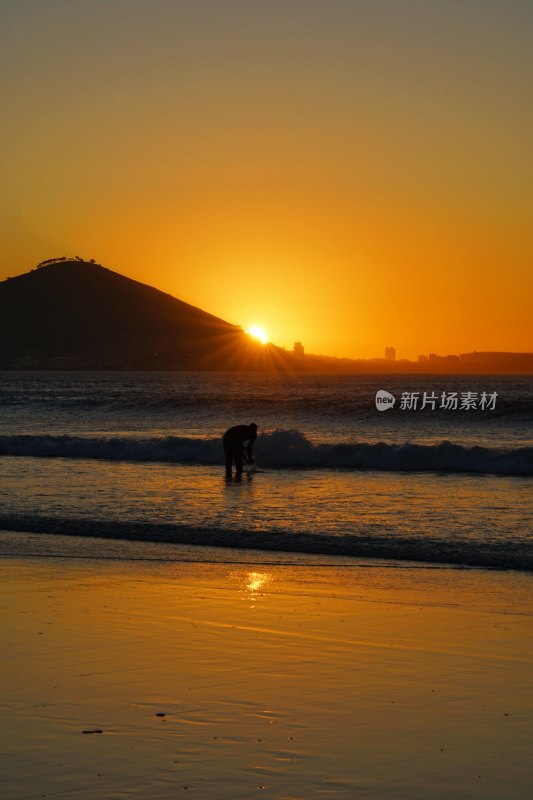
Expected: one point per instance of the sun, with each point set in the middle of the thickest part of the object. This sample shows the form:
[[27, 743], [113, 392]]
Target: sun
[[257, 333]]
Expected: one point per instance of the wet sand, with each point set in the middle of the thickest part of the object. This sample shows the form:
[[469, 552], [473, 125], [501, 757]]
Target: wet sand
[[125, 679]]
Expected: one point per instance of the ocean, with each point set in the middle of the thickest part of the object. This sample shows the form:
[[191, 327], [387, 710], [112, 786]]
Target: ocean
[[442, 477]]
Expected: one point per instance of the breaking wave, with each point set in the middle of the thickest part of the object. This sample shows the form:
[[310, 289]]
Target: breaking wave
[[278, 450]]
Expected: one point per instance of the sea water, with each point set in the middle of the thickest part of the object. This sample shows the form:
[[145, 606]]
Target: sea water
[[442, 476]]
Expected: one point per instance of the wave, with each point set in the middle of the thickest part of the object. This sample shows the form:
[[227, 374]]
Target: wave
[[278, 450], [493, 555]]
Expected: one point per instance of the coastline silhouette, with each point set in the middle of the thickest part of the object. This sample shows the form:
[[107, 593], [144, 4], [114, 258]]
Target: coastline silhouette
[[70, 314]]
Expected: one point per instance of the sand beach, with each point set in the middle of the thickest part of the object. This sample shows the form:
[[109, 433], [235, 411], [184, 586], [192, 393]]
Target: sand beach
[[265, 677]]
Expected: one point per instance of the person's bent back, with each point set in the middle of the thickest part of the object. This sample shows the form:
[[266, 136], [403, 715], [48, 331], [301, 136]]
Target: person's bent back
[[234, 447]]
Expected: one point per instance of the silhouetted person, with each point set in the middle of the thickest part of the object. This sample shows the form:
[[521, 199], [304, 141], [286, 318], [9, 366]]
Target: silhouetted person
[[234, 448]]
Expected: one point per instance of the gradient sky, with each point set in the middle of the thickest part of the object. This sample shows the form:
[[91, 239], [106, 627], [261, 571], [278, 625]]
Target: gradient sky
[[348, 173]]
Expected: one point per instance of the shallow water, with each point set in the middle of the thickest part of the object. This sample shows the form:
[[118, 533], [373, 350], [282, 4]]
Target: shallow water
[[138, 455], [476, 520]]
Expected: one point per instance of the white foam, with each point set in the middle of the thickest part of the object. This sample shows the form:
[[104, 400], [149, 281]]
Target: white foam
[[281, 449]]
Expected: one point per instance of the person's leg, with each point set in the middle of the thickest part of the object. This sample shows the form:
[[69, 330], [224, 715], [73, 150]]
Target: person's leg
[[238, 463], [228, 452]]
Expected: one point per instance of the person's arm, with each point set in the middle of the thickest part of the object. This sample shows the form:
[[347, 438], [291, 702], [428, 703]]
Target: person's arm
[[249, 449]]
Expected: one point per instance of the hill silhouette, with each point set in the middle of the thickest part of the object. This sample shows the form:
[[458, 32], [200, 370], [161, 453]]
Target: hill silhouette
[[74, 314]]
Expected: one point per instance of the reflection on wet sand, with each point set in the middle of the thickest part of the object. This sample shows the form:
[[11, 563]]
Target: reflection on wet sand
[[341, 683], [251, 583]]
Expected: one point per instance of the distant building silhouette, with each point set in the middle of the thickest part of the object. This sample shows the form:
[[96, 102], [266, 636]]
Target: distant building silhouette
[[390, 353]]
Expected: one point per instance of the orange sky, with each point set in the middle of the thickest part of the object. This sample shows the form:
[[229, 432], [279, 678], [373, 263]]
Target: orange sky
[[348, 174]]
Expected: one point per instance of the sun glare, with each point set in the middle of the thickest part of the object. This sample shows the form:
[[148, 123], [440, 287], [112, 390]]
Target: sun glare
[[257, 333]]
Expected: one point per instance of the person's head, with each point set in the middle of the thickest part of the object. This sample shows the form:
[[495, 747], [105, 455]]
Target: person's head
[[253, 427]]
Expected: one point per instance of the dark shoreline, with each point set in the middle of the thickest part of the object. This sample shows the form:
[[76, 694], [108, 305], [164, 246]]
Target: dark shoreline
[[459, 554]]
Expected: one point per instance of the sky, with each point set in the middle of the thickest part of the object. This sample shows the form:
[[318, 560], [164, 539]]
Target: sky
[[350, 174]]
